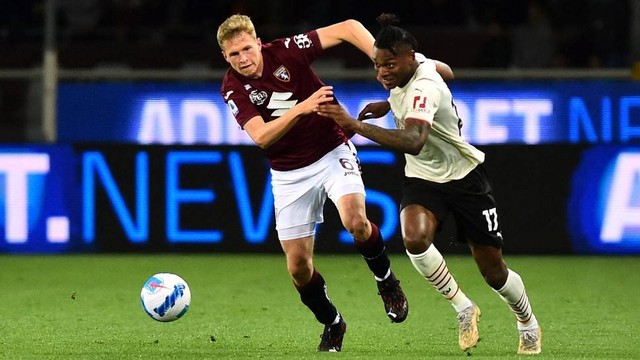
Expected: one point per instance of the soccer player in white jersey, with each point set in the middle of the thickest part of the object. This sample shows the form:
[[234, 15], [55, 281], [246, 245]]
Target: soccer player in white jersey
[[443, 175], [271, 90]]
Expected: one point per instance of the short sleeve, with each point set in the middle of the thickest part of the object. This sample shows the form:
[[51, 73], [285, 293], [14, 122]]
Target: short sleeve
[[238, 102], [422, 101]]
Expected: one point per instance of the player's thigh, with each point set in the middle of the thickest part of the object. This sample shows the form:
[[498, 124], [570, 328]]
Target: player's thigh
[[423, 210], [343, 183], [351, 208], [298, 201]]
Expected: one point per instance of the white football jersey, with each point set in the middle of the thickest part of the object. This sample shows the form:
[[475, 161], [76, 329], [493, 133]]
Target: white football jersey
[[446, 155]]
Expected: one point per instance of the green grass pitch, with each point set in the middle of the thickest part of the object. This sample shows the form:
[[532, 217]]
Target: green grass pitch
[[244, 307]]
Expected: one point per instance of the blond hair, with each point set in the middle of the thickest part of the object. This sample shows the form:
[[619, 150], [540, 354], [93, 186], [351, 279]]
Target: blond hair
[[234, 26]]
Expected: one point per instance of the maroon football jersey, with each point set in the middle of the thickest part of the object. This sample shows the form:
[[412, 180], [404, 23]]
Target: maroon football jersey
[[287, 79]]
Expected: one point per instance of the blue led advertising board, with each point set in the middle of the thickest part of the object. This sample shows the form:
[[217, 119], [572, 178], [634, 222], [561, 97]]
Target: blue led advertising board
[[604, 206], [160, 166], [124, 198], [531, 112], [39, 201]]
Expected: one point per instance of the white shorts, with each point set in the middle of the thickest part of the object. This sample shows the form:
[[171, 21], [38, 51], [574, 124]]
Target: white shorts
[[299, 195]]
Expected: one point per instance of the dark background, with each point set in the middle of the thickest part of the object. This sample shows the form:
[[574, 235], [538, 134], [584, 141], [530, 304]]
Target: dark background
[[463, 33], [180, 34]]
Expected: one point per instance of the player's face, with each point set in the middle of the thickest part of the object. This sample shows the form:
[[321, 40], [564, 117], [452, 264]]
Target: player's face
[[393, 69], [244, 55]]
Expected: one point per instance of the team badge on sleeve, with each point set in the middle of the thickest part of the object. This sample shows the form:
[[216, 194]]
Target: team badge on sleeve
[[233, 107]]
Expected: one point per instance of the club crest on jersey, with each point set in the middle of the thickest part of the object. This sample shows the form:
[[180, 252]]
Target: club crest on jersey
[[282, 74], [303, 41], [258, 97]]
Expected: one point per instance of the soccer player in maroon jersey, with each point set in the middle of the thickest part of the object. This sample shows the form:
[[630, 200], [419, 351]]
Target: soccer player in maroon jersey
[[272, 91]]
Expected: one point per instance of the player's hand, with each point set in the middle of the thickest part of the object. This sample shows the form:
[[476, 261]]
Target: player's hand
[[337, 113], [322, 95], [374, 110]]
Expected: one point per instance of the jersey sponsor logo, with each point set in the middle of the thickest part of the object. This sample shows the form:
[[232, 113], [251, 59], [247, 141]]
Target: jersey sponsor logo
[[303, 41], [281, 102], [258, 97], [282, 74], [419, 102], [227, 94], [420, 105]]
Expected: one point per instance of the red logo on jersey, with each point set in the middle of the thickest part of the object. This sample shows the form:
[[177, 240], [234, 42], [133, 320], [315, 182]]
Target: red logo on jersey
[[419, 102], [282, 74]]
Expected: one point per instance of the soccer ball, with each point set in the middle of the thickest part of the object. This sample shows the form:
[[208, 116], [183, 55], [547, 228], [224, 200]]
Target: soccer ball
[[165, 297]]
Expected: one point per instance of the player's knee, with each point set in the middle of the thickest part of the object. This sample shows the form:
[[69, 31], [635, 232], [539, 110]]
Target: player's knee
[[301, 276], [416, 243], [357, 227], [414, 246], [300, 268]]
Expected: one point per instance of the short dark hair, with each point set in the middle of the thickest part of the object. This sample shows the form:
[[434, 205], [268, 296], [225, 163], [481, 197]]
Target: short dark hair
[[390, 37]]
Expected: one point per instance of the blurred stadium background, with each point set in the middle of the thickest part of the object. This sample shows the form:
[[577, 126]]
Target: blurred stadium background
[[114, 138]]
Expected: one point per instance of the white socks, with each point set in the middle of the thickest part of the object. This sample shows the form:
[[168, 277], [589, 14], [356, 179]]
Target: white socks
[[432, 266], [514, 294], [385, 277]]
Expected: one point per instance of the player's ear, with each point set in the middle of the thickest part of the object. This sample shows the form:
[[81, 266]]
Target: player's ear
[[259, 42], [224, 55]]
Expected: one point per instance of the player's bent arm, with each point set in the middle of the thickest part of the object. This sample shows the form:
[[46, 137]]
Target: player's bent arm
[[409, 140], [264, 134], [444, 70], [351, 31], [374, 110]]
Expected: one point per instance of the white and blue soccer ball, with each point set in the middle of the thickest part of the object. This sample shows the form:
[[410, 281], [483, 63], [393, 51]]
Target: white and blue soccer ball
[[165, 297]]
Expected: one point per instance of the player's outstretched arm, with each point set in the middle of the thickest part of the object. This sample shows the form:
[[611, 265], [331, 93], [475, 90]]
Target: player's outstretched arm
[[351, 31], [409, 140]]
